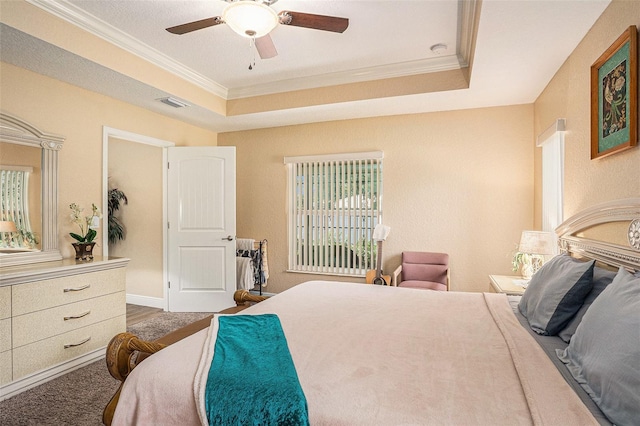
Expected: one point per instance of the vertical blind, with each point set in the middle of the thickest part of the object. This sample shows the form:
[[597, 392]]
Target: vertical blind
[[14, 205], [334, 203]]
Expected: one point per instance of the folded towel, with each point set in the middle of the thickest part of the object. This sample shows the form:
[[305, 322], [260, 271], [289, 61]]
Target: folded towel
[[244, 244], [244, 273]]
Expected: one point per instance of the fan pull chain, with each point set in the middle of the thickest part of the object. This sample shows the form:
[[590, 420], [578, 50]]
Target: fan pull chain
[[252, 53]]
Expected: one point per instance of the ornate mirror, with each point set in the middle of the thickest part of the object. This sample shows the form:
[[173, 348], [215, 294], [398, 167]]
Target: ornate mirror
[[27, 149]]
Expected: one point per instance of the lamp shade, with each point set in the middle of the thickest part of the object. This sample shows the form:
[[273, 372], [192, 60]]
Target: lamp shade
[[537, 242], [250, 19], [8, 226]]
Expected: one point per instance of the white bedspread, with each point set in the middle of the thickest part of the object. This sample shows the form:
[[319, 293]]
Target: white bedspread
[[377, 355]]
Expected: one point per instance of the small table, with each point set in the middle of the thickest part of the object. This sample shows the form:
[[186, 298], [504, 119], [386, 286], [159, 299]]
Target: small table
[[505, 284]]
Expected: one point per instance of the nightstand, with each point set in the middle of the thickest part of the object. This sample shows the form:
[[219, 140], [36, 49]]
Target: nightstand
[[505, 284]]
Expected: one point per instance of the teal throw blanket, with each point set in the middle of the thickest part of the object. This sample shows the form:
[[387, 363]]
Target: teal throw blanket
[[252, 379]]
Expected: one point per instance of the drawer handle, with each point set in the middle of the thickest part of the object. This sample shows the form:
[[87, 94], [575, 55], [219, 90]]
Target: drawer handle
[[84, 314], [72, 345], [84, 287]]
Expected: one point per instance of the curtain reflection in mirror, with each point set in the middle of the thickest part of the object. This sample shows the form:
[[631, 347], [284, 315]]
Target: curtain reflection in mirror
[[14, 208]]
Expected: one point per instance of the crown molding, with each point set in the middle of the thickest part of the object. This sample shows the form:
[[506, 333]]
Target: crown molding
[[400, 69], [468, 12], [78, 17]]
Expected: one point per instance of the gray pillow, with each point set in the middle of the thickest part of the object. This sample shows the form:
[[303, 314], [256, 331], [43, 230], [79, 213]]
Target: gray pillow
[[604, 353], [555, 293], [601, 279]]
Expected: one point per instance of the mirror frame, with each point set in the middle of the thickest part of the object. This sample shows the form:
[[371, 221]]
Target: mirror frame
[[17, 131]]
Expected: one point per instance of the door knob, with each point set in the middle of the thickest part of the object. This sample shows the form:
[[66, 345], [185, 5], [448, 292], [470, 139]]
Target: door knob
[[229, 238]]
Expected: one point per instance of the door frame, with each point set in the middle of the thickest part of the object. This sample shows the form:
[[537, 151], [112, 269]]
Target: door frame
[[109, 132]]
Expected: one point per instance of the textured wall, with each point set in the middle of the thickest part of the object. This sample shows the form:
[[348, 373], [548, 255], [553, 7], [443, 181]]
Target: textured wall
[[587, 181], [459, 182], [136, 169]]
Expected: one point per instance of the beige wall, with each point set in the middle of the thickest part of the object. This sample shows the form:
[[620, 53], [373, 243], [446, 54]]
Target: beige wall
[[587, 181], [136, 169], [79, 115], [459, 182]]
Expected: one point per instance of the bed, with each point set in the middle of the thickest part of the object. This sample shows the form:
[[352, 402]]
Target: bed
[[365, 354]]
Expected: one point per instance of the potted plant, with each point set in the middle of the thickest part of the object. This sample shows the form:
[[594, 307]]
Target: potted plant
[[528, 263], [87, 224], [524, 262], [117, 230]]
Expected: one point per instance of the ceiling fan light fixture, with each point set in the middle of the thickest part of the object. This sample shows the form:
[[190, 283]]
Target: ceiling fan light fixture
[[250, 19]]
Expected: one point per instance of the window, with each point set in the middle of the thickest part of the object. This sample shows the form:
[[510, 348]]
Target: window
[[334, 203], [14, 207], [552, 143]]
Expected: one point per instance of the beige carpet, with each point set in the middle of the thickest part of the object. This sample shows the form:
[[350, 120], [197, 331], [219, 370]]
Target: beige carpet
[[78, 398]]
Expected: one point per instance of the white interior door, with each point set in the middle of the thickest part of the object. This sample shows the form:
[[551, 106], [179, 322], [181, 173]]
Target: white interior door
[[202, 228]]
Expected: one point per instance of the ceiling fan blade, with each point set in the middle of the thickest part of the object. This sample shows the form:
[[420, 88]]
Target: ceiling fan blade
[[316, 22], [265, 47], [196, 25]]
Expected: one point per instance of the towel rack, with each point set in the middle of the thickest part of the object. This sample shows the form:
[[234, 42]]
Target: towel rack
[[258, 260]]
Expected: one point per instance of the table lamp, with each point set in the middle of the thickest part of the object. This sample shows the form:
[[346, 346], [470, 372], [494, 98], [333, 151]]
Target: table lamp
[[535, 244]]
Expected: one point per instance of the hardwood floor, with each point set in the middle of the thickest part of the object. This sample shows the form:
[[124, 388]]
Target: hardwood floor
[[137, 313]]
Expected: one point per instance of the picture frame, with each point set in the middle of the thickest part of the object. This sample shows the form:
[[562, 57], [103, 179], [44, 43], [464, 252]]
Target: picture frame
[[614, 97]]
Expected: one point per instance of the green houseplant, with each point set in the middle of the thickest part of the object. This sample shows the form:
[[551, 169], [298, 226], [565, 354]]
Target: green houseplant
[[527, 263], [117, 230], [524, 262]]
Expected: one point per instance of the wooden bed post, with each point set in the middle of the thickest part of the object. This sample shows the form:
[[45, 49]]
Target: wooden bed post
[[125, 351], [242, 297], [120, 361]]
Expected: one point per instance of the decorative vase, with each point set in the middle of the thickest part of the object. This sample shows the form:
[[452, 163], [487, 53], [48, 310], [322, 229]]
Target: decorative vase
[[527, 271], [84, 251]]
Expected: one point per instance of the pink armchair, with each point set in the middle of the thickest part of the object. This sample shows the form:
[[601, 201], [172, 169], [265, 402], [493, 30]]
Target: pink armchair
[[428, 271]]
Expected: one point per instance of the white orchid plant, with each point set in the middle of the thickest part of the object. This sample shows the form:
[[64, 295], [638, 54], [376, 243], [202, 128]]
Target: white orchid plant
[[87, 224]]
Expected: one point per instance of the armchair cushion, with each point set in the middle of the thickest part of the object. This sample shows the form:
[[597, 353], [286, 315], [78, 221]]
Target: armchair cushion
[[422, 266], [424, 285], [424, 270]]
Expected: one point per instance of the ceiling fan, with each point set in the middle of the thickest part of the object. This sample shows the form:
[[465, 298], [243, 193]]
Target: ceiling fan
[[254, 19]]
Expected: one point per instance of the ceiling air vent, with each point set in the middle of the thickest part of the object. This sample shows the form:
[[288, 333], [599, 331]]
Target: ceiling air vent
[[174, 102]]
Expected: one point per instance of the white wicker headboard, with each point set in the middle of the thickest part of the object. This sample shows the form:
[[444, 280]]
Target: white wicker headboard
[[613, 254]]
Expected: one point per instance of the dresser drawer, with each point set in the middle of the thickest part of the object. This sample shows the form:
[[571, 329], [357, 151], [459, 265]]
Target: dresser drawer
[[40, 325], [5, 302], [39, 295], [5, 334], [49, 352], [5, 367]]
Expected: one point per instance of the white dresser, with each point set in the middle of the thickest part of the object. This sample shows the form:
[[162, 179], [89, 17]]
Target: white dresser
[[56, 317]]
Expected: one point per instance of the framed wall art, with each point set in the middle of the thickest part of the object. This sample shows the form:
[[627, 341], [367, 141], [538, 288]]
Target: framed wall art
[[614, 97]]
